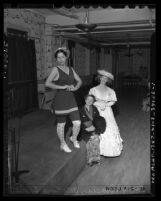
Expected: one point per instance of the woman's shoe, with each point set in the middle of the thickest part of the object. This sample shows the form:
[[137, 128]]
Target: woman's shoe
[[75, 143], [65, 148]]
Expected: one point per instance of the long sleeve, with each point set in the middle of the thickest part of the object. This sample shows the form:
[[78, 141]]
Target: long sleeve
[[91, 92], [112, 96], [86, 122], [95, 112], [112, 99], [109, 104]]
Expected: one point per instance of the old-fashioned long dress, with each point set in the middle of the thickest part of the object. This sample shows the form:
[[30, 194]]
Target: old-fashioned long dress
[[110, 140], [64, 101]]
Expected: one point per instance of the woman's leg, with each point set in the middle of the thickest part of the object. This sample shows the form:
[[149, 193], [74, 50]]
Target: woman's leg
[[76, 127], [60, 133]]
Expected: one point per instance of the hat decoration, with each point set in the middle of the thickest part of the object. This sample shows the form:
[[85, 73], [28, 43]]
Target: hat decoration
[[64, 49], [105, 73]]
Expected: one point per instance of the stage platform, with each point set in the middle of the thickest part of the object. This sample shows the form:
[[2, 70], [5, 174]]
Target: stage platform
[[51, 170]]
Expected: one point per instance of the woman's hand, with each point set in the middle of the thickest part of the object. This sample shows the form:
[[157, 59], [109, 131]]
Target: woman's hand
[[69, 87], [74, 88], [100, 104], [88, 123], [91, 128], [110, 103]]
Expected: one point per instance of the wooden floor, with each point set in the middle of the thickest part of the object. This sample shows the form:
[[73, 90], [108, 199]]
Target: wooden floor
[[48, 167], [130, 172]]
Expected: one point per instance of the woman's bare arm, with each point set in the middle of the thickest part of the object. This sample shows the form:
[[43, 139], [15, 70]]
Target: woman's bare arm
[[78, 79], [54, 75]]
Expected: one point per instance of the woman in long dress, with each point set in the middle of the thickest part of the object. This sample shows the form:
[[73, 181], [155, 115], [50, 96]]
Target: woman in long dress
[[110, 141], [65, 80]]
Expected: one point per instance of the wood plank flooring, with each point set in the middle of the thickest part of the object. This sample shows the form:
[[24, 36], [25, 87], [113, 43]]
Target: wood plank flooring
[[130, 172]]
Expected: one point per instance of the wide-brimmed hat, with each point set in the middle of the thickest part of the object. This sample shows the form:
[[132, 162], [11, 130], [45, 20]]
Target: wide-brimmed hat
[[105, 73], [65, 49]]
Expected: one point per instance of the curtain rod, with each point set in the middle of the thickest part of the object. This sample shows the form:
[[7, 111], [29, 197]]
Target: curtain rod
[[21, 82], [31, 36], [23, 36]]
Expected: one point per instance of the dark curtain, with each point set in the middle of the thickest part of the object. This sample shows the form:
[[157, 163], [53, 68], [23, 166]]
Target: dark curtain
[[22, 74], [71, 46], [114, 67], [98, 51], [95, 81], [115, 107]]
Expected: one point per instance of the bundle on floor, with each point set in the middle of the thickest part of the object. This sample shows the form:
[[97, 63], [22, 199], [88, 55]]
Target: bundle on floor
[[93, 147]]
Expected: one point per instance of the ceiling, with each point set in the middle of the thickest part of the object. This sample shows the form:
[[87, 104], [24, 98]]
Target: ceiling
[[130, 27]]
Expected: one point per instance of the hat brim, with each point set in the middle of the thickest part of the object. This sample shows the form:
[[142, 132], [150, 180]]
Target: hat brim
[[105, 73]]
